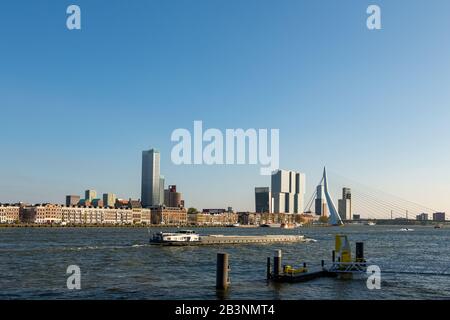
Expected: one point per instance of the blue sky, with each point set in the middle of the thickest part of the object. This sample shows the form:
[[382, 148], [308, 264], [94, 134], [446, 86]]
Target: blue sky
[[78, 107]]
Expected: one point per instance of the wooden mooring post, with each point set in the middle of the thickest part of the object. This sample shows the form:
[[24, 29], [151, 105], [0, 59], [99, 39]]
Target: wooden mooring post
[[277, 263], [268, 269], [222, 279]]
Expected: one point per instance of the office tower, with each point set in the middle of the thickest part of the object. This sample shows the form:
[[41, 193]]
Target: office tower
[[263, 200], [346, 193], [299, 196], [161, 190], [280, 182], [72, 200], [345, 204], [172, 198], [288, 191], [439, 216], [90, 195], [321, 208], [150, 184], [109, 199], [279, 202], [422, 217]]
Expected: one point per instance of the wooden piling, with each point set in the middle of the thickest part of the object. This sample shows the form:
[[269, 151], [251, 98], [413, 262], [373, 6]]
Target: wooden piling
[[268, 275], [222, 271], [277, 263], [359, 251]]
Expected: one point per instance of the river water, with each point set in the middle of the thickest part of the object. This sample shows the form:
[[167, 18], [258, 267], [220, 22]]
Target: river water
[[118, 263]]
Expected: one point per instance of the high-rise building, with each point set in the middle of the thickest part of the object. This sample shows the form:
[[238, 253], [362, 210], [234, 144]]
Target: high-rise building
[[161, 189], [288, 191], [346, 193], [279, 202], [151, 180], [422, 217], [345, 204], [109, 199], [299, 195], [439, 216], [263, 200], [90, 195], [321, 208], [72, 200], [172, 198]]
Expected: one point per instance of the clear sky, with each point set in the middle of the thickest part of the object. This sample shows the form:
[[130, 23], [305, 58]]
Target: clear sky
[[78, 107]]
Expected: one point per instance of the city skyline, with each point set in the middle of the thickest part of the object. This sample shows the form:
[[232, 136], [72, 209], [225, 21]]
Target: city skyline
[[83, 105]]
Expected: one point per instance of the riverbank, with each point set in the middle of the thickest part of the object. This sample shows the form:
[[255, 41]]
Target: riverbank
[[36, 225]]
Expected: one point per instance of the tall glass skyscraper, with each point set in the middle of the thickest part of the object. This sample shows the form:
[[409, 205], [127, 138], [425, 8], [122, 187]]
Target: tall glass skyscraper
[[150, 186]]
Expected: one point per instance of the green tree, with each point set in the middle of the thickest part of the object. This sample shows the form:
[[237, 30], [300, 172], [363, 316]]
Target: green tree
[[192, 210]]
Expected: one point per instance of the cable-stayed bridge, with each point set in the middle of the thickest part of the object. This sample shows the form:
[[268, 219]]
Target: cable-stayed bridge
[[359, 200]]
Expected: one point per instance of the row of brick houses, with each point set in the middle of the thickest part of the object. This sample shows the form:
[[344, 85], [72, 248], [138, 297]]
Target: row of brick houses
[[58, 214], [208, 219], [76, 215], [9, 213]]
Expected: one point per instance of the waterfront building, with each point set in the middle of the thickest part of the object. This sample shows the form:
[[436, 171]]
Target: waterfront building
[[263, 199], [356, 217], [115, 216], [73, 215], [146, 216], [345, 204], [9, 213], [151, 179], [213, 219], [72, 200], [439, 216], [90, 195], [109, 200], [422, 217], [168, 215], [41, 214], [52, 213], [249, 218]]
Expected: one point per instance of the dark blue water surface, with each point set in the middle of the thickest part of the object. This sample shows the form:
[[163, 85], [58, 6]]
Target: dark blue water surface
[[118, 263]]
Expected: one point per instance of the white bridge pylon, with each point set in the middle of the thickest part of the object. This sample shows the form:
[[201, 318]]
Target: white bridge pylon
[[335, 218]]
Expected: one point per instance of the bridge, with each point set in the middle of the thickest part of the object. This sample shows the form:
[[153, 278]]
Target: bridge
[[364, 204]]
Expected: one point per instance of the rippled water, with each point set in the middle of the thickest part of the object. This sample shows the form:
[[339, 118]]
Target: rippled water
[[118, 263]]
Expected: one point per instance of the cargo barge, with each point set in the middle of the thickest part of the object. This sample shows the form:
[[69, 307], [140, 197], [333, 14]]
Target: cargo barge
[[190, 238]]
